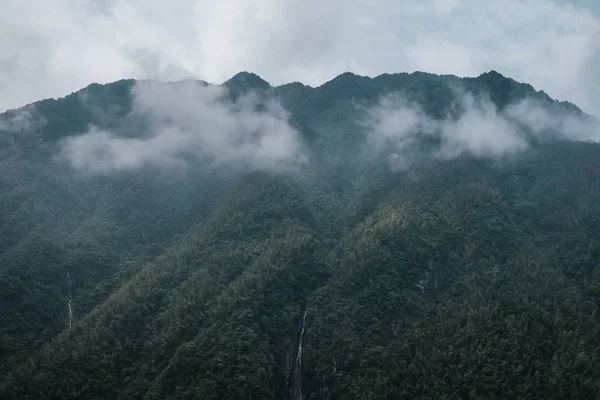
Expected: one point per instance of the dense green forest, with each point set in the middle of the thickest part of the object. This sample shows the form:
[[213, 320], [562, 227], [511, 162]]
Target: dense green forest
[[429, 237]]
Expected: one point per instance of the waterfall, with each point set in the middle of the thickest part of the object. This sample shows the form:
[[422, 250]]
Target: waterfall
[[70, 307], [70, 314], [297, 378]]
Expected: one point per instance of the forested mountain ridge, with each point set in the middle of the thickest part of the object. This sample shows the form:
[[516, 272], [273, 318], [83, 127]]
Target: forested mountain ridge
[[422, 236]]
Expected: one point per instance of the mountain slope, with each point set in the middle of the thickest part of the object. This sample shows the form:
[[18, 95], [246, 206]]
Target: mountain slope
[[409, 258]]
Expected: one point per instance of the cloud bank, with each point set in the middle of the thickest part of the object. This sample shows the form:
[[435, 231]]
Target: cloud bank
[[479, 129], [59, 46], [22, 119], [191, 121]]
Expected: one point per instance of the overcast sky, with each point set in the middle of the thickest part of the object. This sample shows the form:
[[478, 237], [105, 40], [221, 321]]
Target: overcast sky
[[53, 47]]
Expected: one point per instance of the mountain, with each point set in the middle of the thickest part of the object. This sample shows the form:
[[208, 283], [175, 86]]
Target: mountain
[[408, 236]]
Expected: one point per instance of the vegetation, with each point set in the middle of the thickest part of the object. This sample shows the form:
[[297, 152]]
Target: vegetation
[[452, 279]]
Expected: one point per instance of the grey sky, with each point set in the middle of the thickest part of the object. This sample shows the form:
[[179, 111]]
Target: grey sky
[[592, 5], [52, 48]]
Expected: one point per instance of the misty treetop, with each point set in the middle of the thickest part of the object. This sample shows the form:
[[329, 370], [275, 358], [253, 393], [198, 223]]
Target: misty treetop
[[408, 236]]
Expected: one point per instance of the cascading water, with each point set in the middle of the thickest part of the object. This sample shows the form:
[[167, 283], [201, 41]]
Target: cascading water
[[297, 378], [69, 305]]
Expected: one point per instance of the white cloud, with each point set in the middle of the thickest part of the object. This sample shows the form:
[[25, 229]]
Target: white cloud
[[396, 127], [58, 46], [191, 120], [22, 119], [540, 120], [445, 7], [395, 120], [480, 130]]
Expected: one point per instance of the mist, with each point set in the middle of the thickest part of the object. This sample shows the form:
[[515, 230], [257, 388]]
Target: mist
[[191, 121], [22, 119], [474, 126]]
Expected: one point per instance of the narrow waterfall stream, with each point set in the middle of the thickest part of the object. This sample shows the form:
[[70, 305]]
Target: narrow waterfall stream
[[297, 378], [69, 305]]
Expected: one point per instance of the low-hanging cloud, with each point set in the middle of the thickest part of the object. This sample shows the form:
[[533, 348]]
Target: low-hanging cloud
[[480, 130], [541, 120], [191, 120], [22, 119], [398, 126]]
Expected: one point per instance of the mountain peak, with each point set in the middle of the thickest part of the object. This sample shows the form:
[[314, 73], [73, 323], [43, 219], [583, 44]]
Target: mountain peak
[[345, 78], [247, 80], [493, 74]]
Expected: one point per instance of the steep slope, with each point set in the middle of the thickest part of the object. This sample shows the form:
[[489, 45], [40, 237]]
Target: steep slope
[[100, 229], [348, 275], [477, 281]]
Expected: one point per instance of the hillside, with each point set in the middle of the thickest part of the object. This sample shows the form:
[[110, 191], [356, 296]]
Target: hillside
[[408, 236]]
